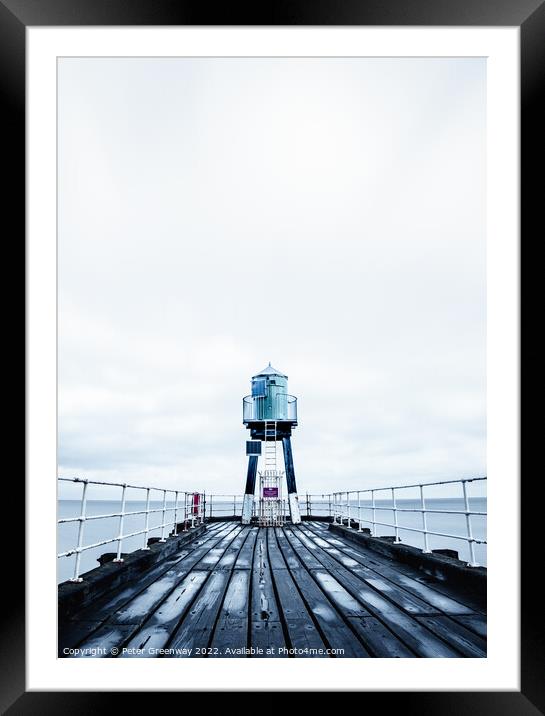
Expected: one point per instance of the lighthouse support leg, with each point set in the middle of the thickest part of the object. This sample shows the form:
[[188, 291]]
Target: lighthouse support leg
[[293, 499], [248, 502]]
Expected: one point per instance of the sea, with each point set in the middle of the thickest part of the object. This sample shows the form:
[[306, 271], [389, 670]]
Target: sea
[[99, 530]]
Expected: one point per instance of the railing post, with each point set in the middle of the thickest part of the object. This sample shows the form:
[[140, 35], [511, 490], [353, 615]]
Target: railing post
[[424, 520], [397, 540], [146, 526], [176, 514], [82, 514], [210, 508], [164, 516], [348, 516], [121, 516], [234, 505], [470, 542], [329, 505], [308, 507], [359, 512], [374, 532]]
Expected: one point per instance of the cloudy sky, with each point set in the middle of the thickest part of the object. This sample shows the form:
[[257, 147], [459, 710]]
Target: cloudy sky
[[327, 215]]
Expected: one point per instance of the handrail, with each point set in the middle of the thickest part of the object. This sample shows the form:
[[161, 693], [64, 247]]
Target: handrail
[[344, 508], [285, 405], [194, 508], [347, 507]]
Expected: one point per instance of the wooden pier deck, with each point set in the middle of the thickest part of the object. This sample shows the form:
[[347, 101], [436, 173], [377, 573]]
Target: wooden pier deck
[[303, 591]]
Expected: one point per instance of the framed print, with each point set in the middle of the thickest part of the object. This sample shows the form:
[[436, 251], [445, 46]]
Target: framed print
[[273, 366]]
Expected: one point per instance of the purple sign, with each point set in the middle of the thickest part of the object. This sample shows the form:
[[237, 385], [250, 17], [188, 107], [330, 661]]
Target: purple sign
[[270, 492]]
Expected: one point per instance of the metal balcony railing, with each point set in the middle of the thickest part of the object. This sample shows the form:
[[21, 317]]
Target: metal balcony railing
[[185, 508], [356, 508], [279, 407]]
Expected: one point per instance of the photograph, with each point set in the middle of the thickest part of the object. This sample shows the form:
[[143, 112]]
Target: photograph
[[272, 357]]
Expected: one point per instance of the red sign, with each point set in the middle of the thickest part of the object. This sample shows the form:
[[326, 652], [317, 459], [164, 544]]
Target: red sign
[[270, 492], [196, 501]]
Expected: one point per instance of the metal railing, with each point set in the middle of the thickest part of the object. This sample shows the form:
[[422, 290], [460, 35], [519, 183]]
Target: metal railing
[[349, 507], [224, 505], [316, 504], [278, 407], [188, 510], [352, 508]]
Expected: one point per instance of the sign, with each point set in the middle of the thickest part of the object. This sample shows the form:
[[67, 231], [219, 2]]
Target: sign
[[270, 492], [196, 500], [253, 447]]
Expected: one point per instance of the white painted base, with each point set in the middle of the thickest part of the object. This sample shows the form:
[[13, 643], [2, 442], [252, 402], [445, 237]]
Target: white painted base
[[295, 514], [247, 509]]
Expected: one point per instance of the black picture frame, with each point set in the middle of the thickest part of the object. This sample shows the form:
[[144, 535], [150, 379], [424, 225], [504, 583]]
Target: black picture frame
[[529, 16]]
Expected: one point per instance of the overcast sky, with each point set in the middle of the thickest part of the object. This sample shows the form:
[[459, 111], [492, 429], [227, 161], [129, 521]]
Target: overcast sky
[[327, 215]]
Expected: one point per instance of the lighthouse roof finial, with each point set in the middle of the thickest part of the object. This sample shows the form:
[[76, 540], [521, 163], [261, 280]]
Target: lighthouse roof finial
[[269, 370]]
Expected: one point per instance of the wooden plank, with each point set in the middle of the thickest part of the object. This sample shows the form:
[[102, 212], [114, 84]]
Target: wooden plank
[[72, 633], [267, 640], [104, 607], [194, 633], [403, 599], [379, 640], [224, 550], [290, 557], [463, 640], [266, 633], [138, 609], [155, 633], [334, 630], [405, 628], [275, 556], [412, 596], [343, 600], [157, 630], [333, 627], [410, 584], [322, 557], [246, 555], [230, 637], [304, 638], [475, 623], [104, 643], [231, 554], [302, 551], [464, 597]]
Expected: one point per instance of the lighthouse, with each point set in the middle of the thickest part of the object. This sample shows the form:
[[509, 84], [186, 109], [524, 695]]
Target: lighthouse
[[270, 414]]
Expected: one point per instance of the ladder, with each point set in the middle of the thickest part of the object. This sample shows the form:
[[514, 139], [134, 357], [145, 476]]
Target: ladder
[[271, 510], [270, 450]]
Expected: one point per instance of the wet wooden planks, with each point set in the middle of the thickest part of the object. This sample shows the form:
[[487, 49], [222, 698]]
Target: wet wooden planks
[[297, 591]]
